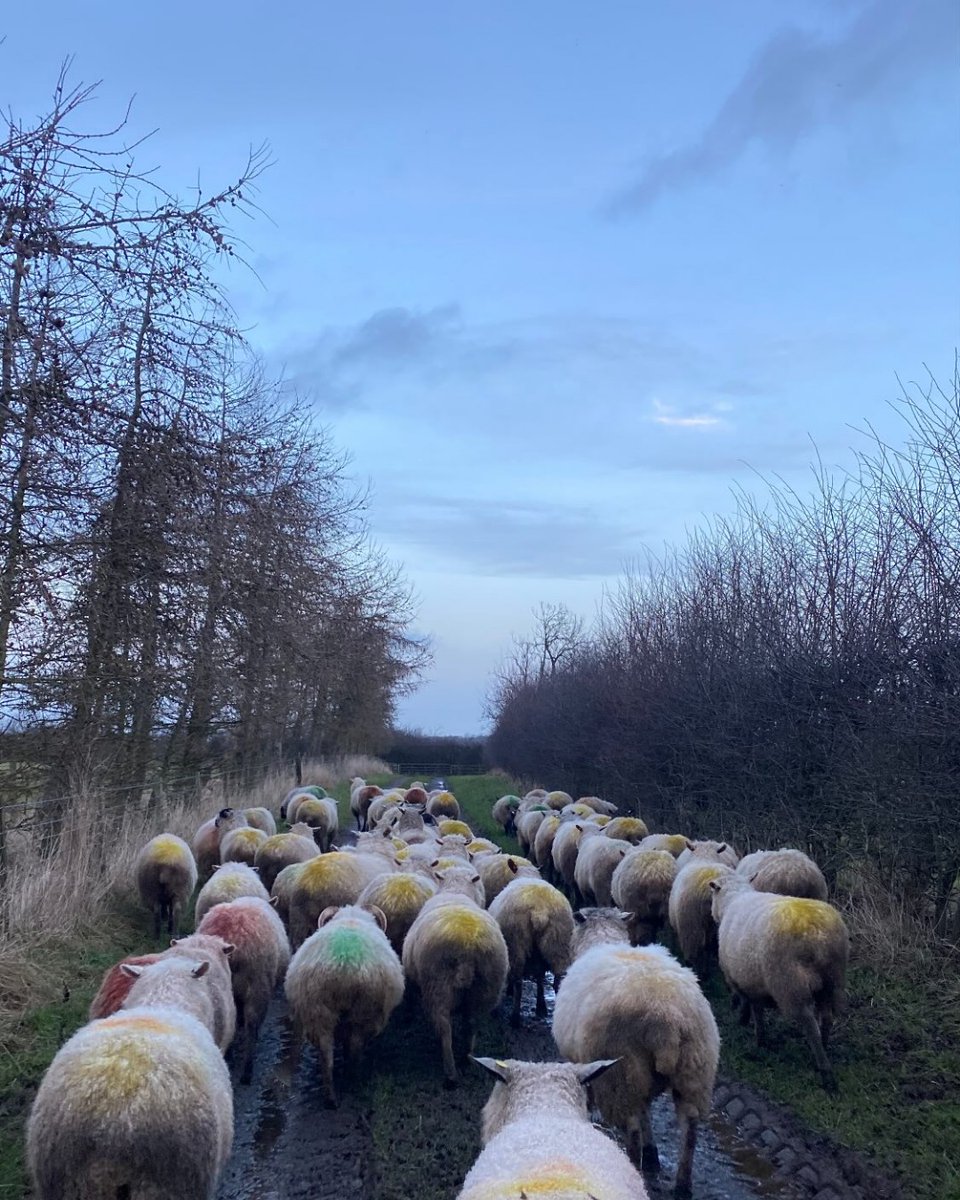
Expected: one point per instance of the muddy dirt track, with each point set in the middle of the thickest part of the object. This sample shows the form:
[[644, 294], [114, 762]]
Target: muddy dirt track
[[399, 1135]]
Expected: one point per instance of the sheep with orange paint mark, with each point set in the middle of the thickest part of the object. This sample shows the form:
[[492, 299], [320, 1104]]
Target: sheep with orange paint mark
[[456, 955], [788, 950], [539, 1141], [166, 874], [344, 981]]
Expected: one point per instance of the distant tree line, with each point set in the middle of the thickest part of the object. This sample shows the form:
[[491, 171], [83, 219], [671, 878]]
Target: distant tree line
[[790, 676], [184, 569], [411, 749]]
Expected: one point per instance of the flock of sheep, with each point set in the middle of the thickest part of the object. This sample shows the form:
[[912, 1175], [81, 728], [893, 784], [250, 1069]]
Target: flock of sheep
[[138, 1104]]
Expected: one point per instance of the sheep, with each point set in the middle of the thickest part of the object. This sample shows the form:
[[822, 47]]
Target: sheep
[[557, 800], [241, 845], [166, 875], [382, 808], [449, 827], [689, 911], [537, 925], [527, 825], [229, 882], [543, 845], [206, 841], [299, 793], [444, 804], [639, 1004], [629, 829], [137, 1103], [203, 947], [566, 846], [597, 860], [461, 881], [282, 887], [399, 897], [329, 881], [456, 955], [721, 852], [539, 1141], [641, 885], [482, 846], [261, 954], [115, 985], [580, 811], [787, 872], [321, 816], [261, 818], [416, 793], [360, 800], [505, 813], [345, 978], [497, 870], [673, 843], [283, 849], [171, 982], [604, 807], [785, 950]]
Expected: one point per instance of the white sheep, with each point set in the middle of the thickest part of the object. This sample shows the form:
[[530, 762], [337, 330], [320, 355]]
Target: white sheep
[[566, 846], [166, 874], [229, 882], [787, 872], [241, 845], [539, 1141], [715, 852], [690, 911], [329, 881], [527, 824], [786, 949], [641, 886], [637, 1003], [536, 921], [345, 980], [597, 859], [205, 947], [138, 1103], [456, 955], [497, 870]]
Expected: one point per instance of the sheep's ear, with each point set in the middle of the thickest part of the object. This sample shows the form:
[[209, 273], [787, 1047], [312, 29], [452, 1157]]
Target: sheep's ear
[[512, 865], [200, 969], [132, 970], [475, 879], [690, 845], [386, 831], [228, 948], [714, 885], [328, 914], [588, 1072], [274, 900], [721, 847], [379, 916], [495, 1066], [579, 917], [625, 916]]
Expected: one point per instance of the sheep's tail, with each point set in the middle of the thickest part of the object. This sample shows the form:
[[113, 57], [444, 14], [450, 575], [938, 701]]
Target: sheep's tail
[[666, 1054], [462, 974]]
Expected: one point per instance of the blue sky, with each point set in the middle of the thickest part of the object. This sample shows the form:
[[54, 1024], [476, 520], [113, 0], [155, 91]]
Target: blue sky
[[558, 276]]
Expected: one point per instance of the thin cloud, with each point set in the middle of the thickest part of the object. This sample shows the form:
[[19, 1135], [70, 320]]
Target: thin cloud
[[802, 80], [665, 414]]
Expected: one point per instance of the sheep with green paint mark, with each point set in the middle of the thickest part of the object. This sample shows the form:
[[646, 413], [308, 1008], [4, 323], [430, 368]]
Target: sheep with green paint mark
[[166, 874], [455, 954], [343, 983], [504, 812], [539, 1140]]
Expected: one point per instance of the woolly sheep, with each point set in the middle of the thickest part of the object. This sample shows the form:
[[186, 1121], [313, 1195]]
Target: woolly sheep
[[580, 811], [203, 947], [137, 1102], [787, 872], [539, 1140], [505, 812], [261, 954], [637, 1003], [461, 881], [566, 846], [282, 887], [558, 800], [597, 860], [115, 985], [690, 911], [629, 829], [229, 882], [400, 897], [456, 955], [721, 852], [641, 886], [261, 818], [673, 843], [444, 804], [604, 807], [171, 982], [497, 870], [537, 925], [345, 978], [283, 849], [482, 846], [360, 801], [785, 949], [527, 825], [321, 816], [241, 845], [166, 875], [449, 827], [296, 802], [329, 881], [541, 852], [382, 808], [206, 841], [301, 790]]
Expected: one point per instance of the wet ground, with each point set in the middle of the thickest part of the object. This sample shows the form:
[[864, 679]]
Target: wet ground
[[399, 1134]]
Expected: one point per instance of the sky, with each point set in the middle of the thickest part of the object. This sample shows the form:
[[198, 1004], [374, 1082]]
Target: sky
[[558, 277]]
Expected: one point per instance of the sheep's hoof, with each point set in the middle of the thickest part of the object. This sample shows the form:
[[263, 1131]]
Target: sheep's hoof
[[649, 1159], [449, 1084]]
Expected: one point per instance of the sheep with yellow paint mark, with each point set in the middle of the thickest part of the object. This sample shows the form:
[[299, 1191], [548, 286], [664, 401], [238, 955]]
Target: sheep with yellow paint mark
[[638, 1004], [229, 882], [673, 843], [329, 881], [641, 886], [787, 872], [344, 982], [136, 1104], [260, 956], [241, 845], [536, 921], [603, 807], [557, 800], [539, 1141], [261, 818], [166, 874], [628, 829], [787, 950], [444, 804], [400, 896], [456, 955], [498, 870], [282, 850], [321, 816], [597, 860], [690, 911]]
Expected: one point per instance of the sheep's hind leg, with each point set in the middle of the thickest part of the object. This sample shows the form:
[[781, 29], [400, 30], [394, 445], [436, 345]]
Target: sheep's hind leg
[[807, 1021], [640, 1144], [688, 1141], [444, 1027], [541, 1009]]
